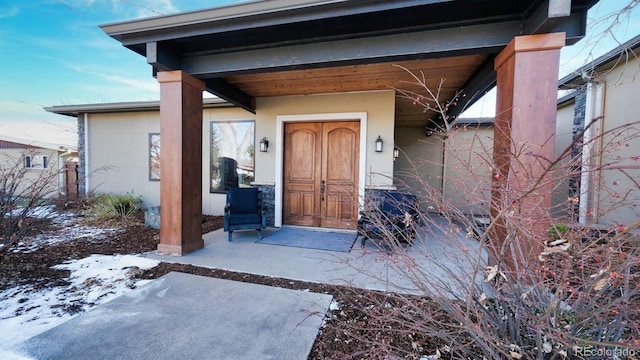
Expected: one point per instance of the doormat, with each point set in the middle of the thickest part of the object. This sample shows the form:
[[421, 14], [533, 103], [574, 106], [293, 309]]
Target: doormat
[[309, 239]]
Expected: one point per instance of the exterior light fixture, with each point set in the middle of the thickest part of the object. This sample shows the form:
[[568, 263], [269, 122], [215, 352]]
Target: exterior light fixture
[[379, 144], [264, 144], [396, 153]]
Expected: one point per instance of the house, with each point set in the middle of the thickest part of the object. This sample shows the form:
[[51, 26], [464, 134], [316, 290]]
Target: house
[[602, 103], [315, 84], [39, 161]]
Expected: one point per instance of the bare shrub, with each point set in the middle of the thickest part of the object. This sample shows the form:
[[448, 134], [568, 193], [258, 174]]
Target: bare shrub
[[571, 292], [22, 190]]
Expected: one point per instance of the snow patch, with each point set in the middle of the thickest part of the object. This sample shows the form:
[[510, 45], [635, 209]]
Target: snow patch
[[70, 229], [26, 312]]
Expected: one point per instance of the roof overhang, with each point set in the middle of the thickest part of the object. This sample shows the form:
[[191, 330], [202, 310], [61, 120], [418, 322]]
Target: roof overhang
[[622, 54], [134, 106], [252, 49]]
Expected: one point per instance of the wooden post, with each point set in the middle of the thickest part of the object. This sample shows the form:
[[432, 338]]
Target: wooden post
[[180, 163], [524, 132]]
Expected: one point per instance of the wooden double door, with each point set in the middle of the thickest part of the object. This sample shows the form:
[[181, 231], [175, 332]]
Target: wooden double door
[[321, 162]]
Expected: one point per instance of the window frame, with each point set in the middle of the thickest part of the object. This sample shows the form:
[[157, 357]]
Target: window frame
[[42, 165], [213, 150]]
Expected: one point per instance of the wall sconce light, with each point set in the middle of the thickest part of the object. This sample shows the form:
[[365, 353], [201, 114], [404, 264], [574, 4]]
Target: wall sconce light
[[396, 153], [264, 144], [379, 144]]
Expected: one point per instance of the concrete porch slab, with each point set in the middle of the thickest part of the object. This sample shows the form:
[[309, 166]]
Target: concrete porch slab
[[440, 251], [182, 316]]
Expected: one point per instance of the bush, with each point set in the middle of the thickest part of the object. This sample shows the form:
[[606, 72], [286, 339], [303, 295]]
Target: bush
[[22, 190], [528, 291], [114, 205]]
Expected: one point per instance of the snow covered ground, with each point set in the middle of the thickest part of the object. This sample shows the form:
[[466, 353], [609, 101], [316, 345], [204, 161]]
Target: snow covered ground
[[94, 280], [70, 228]]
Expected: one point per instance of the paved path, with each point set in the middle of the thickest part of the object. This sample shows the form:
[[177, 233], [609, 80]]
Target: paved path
[[182, 316]]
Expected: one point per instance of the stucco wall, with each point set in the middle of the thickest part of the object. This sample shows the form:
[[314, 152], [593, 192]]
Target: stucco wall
[[564, 138], [119, 154], [467, 171], [418, 169], [119, 142], [423, 163], [12, 161], [468, 162], [379, 106], [621, 147]]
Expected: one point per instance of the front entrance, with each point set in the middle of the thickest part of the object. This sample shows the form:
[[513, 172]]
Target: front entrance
[[321, 162]]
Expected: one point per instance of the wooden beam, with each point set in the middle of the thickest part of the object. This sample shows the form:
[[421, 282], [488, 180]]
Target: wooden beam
[[230, 93], [483, 80], [486, 38], [557, 16], [162, 58]]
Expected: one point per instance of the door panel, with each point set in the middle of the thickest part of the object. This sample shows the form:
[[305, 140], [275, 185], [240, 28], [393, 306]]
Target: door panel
[[302, 167], [321, 162], [341, 142]]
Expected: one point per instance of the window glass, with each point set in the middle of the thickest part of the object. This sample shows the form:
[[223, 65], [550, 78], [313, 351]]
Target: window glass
[[36, 162], [154, 157], [232, 154]]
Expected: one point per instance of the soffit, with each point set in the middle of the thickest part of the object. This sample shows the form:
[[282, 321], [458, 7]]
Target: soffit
[[442, 76]]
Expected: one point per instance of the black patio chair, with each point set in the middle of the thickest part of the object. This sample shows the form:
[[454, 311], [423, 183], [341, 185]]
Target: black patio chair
[[244, 211], [392, 218]]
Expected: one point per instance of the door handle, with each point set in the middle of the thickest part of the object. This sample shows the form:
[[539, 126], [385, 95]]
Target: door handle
[[322, 188]]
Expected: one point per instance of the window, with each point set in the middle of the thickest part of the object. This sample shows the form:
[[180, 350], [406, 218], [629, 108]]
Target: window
[[36, 162], [154, 157], [232, 154]]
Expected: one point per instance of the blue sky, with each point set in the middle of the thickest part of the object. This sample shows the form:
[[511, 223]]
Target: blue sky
[[52, 52]]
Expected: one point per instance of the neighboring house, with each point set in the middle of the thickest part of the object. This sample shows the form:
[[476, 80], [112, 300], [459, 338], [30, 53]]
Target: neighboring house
[[604, 93], [41, 160], [318, 81]]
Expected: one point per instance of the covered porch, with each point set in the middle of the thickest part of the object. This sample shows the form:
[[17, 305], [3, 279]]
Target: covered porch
[[272, 57], [441, 251]]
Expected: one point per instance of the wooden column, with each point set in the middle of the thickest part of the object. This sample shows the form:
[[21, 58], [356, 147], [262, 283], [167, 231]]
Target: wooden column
[[525, 124], [180, 163]]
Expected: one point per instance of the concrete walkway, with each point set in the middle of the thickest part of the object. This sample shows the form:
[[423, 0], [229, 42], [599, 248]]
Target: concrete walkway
[[191, 317], [182, 316]]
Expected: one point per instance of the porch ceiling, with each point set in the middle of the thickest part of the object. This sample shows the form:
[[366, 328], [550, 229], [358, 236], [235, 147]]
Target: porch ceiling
[[293, 47], [443, 76]]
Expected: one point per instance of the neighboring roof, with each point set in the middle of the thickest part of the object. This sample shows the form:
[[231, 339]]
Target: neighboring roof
[[134, 106], [477, 121], [39, 144], [301, 47], [620, 54], [566, 99]]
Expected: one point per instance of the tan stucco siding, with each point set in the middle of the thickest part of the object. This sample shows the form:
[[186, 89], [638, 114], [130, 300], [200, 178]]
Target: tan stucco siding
[[119, 154], [118, 160], [467, 171], [12, 160], [418, 169], [379, 107], [465, 180], [621, 147], [456, 169], [564, 139]]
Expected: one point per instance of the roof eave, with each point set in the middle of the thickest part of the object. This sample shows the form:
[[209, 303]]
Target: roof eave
[[137, 106], [604, 60]]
